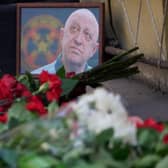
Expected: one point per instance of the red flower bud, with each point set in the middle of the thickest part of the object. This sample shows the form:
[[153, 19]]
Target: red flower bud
[[70, 74], [3, 117], [165, 139]]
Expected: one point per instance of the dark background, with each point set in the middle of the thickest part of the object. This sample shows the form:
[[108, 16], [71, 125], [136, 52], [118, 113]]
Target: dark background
[[8, 33]]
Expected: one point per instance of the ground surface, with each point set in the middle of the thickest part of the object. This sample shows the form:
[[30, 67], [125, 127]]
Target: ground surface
[[140, 99]]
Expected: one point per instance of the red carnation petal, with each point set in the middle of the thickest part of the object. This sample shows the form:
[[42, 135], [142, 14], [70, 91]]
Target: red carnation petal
[[70, 74], [165, 139], [35, 104], [3, 117]]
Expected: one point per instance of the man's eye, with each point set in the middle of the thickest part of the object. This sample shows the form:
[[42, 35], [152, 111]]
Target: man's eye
[[74, 29], [88, 36]]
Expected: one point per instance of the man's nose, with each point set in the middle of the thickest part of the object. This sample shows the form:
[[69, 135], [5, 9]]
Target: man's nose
[[79, 38]]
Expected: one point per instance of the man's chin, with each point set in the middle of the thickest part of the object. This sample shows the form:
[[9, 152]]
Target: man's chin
[[74, 58]]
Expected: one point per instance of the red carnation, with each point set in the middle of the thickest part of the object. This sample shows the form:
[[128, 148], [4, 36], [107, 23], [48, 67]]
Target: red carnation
[[151, 123], [5, 92], [22, 91], [36, 105], [3, 109], [9, 81], [165, 139], [3, 117], [44, 76], [53, 80], [54, 94], [54, 83], [6, 97], [7, 85]]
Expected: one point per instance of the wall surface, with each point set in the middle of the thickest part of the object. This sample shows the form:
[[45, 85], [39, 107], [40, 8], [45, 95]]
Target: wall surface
[[142, 23]]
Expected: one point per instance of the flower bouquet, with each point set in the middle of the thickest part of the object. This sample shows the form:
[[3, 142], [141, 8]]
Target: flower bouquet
[[40, 128], [37, 92], [89, 132]]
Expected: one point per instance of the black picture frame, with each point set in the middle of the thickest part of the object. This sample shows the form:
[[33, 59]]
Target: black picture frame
[[33, 17]]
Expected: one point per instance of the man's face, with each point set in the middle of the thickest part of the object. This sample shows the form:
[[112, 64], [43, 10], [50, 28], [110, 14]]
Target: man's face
[[79, 41]]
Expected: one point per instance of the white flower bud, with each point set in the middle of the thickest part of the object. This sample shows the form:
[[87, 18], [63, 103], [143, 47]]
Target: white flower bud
[[45, 146], [53, 133]]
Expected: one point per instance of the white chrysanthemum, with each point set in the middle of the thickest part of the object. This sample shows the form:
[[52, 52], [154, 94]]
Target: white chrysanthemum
[[103, 99], [127, 132], [98, 122], [102, 110]]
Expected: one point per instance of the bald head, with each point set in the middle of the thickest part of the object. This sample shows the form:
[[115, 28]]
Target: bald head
[[79, 39], [87, 17]]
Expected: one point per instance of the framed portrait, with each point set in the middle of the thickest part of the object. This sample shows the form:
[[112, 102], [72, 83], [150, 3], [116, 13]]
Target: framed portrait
[[47, 38]]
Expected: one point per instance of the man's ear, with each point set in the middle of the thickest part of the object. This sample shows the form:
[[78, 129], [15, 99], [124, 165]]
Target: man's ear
[[61, 33], [95, 47]]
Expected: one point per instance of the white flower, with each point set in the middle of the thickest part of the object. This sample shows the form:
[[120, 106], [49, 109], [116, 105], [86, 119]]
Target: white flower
[[98, 122], [102, 110], [53, 133], [127, 132], [45, 146]]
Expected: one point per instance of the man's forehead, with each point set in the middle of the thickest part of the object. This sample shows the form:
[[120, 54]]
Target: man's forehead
[[85, 22], [85, 19], [84, 16]]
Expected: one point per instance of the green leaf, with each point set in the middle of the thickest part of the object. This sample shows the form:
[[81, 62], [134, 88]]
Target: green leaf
[[9, 157], [71, 156], [83, 164], [29, 81], [13, 122], [104, 157], [147, 139], [32, 160], [3, 127], [52, 109], [163, 163], [60, 165], [33, 84], [118, 164], [52, 161], [148, 161], [61, 72], [162, 149], [17, 113], [68, 85], [120, 150], [104, 136]]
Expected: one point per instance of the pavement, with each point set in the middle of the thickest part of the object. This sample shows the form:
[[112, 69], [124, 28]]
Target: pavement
[[140, 99]]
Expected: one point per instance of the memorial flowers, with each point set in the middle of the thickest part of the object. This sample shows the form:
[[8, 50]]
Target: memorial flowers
[[86, 132], [50, 121]]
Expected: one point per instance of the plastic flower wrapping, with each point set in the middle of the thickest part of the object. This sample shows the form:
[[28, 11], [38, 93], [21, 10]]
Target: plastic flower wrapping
[[50, 121]]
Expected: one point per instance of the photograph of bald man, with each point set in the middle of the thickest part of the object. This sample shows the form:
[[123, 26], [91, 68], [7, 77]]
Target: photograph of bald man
[[79, 43]]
